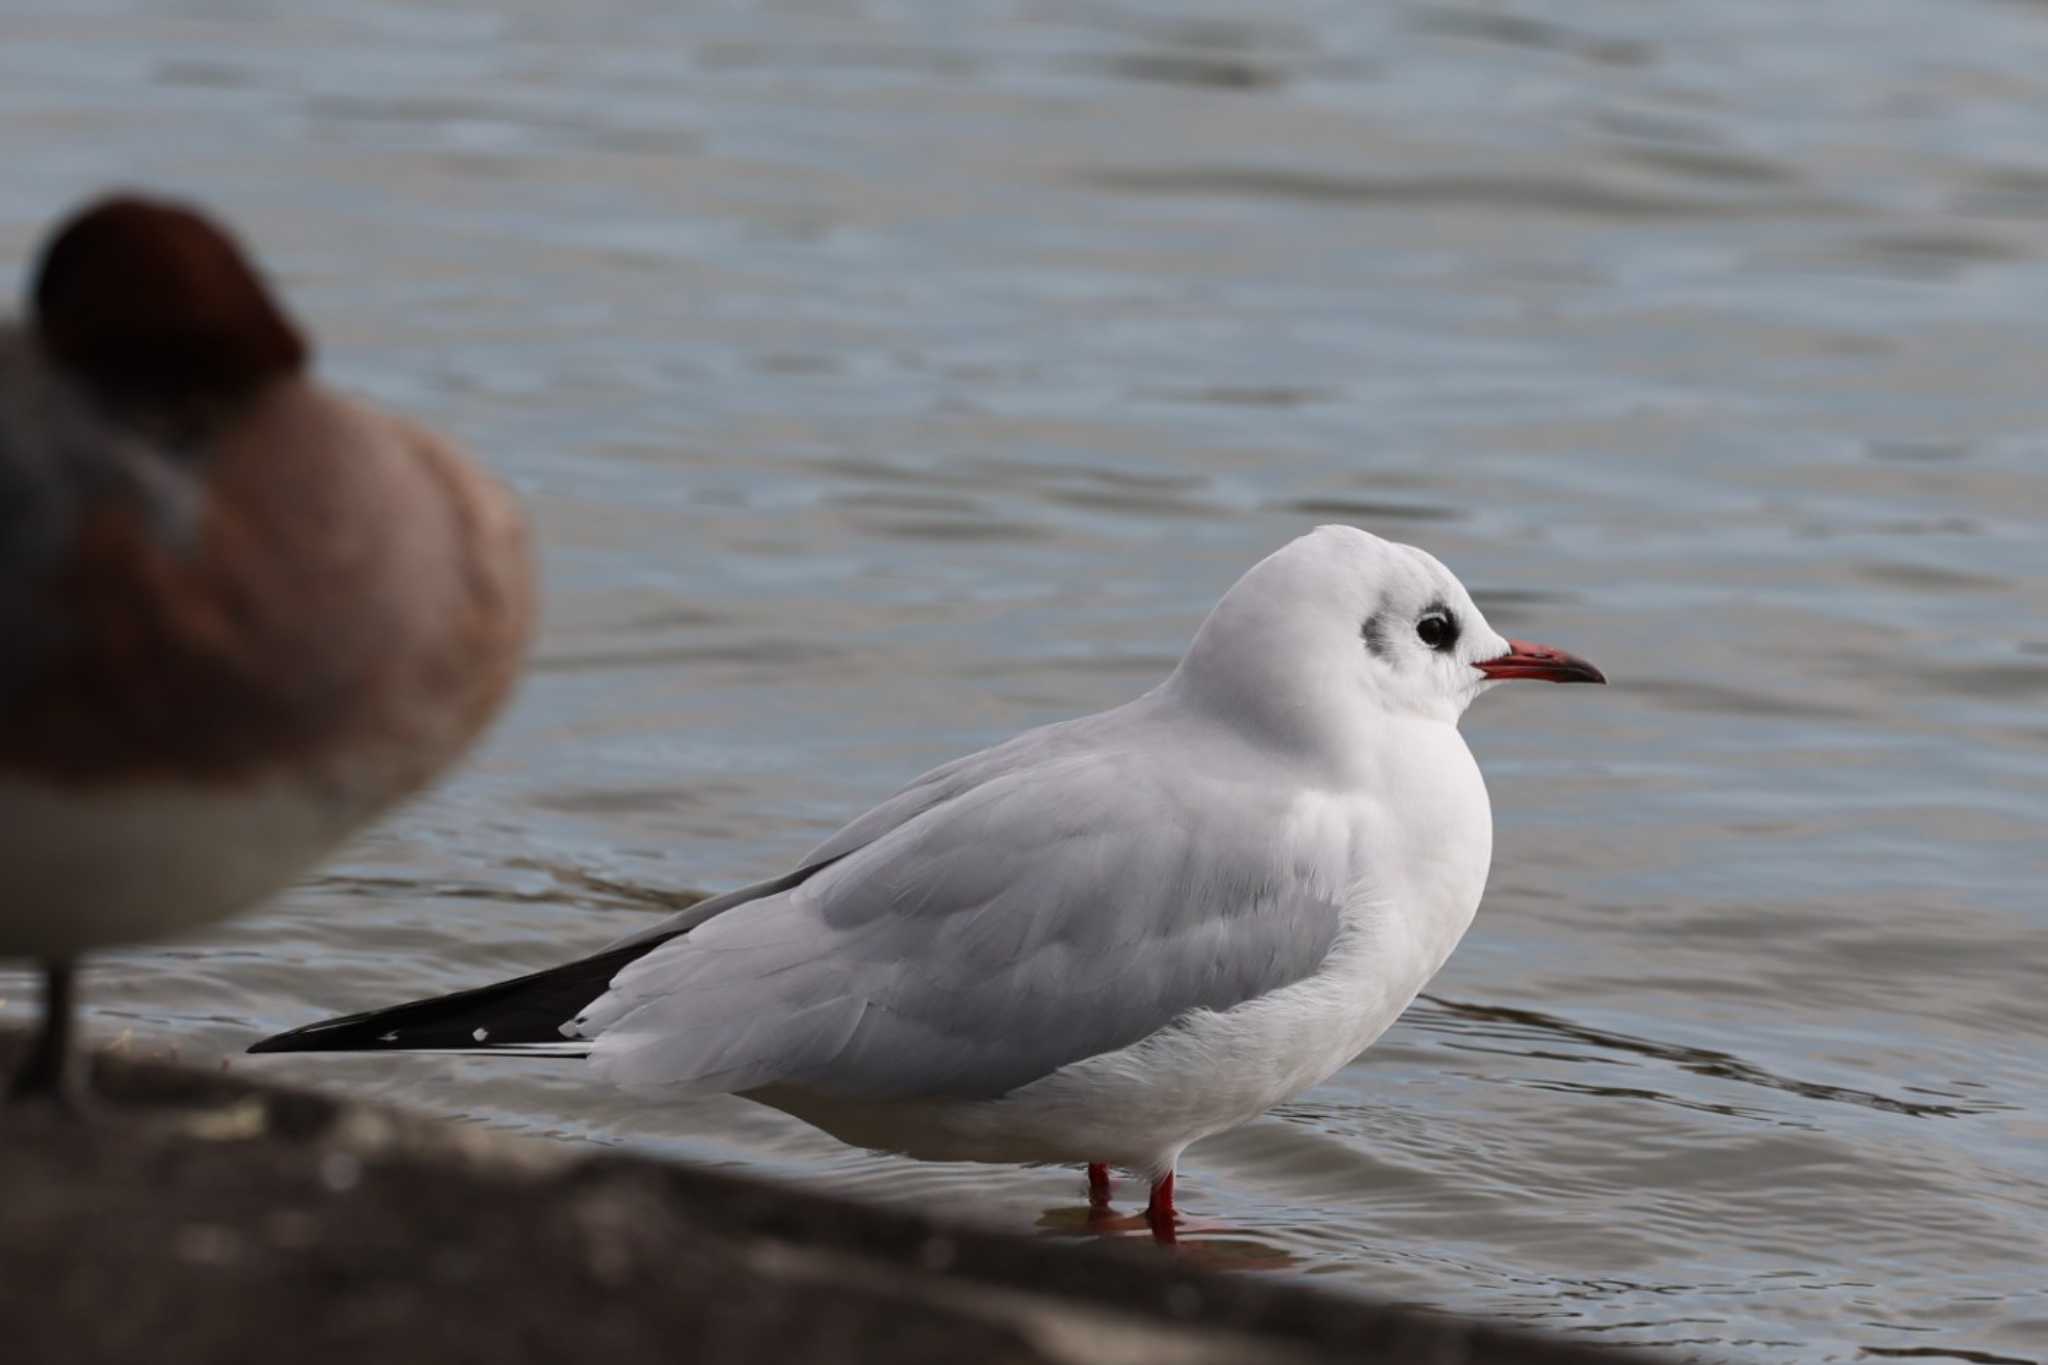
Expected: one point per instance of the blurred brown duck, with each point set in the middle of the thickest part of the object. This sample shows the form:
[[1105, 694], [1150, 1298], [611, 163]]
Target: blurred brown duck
[[240, 614]]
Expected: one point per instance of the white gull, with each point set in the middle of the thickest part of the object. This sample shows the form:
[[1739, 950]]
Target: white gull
[[1103, 939]]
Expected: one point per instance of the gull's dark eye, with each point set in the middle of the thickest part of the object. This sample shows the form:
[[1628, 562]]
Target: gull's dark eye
[[1438, 630]]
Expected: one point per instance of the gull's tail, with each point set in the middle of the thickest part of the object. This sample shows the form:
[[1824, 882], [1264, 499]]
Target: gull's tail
[[524, 1015]]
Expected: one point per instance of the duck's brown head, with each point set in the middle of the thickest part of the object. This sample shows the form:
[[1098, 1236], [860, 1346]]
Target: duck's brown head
[[154, 308]]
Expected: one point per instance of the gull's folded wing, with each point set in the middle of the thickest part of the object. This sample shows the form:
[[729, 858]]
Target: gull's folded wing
[[1052, 911]]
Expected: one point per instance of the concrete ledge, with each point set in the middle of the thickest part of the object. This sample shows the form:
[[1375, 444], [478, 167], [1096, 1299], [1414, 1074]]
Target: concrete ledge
[[199, 1218]]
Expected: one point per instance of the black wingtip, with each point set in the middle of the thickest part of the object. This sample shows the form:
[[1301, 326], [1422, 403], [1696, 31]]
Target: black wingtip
[[396, 1028], [524, 1011], [279, 1042], [330, 1035]]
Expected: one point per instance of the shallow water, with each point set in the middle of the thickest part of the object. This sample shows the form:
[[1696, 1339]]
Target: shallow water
[[887, 379]]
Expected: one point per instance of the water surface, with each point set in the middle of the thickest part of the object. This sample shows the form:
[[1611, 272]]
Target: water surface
[[885, 379]]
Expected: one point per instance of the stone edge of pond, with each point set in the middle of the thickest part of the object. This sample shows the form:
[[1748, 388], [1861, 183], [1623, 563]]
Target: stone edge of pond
[[195, 1216]]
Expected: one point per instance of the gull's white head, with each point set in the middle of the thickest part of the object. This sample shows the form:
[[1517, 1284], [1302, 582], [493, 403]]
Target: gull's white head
[[1340, 624]]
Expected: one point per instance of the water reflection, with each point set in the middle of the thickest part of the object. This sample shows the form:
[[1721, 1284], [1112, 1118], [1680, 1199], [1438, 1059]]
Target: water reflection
[[1213, 1246]]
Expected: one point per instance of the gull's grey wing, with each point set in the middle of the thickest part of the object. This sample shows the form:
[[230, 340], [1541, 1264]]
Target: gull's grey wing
[[943, 783], [527, 1013], [1033, 749], [1069, 901]]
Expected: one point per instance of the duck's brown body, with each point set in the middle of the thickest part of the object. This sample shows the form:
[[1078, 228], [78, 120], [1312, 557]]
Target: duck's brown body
[[243, 614]]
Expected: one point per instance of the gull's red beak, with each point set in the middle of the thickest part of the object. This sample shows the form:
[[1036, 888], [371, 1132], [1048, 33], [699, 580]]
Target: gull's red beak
[[1524, 660]]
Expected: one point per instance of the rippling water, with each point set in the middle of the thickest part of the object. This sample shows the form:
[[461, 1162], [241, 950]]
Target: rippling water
[[888, 378]]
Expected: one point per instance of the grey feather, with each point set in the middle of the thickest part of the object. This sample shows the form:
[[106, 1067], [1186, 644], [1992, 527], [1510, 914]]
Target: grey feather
[[1062, 895]]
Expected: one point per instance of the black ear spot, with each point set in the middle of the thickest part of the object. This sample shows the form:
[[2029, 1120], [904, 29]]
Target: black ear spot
[[1375, 632], [149, 301]]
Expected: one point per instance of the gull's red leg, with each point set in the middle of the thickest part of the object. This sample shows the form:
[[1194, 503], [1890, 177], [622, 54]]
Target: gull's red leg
[[1159, 1211], [1098, 1185]]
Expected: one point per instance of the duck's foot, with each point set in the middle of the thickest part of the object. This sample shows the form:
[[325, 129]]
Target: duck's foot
[[54, 1070]]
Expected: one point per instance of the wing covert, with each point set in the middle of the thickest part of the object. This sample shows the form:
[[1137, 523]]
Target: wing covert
[[1053, 910]]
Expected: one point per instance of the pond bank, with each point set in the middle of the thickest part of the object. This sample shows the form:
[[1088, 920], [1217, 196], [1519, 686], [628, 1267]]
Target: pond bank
[[196, 1217]]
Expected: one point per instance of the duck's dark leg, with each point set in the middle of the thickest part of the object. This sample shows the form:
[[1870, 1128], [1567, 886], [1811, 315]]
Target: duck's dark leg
[[1098, 1185], [54, 1069]]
